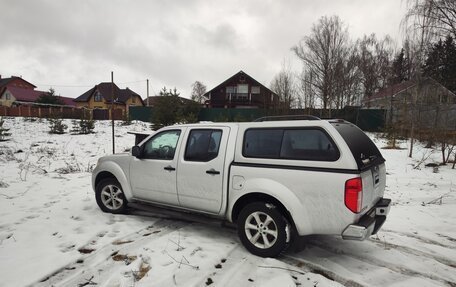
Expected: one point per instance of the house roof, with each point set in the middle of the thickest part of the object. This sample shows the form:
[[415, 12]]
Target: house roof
[[24, 95], [393, 90], [5, 81], [85, 97], [240, 73], [106, 89], [153, 100], [28, 95], [67, 101], [126, 94]]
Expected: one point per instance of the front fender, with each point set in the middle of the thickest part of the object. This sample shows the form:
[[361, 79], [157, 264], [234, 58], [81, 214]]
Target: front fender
[[119, 174], [280, 192]]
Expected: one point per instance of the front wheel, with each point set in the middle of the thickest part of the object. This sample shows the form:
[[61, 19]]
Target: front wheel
[[263, 230], [110, 197]]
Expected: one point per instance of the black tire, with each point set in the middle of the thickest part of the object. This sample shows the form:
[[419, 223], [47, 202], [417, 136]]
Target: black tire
[[110, 197], [268, 240]]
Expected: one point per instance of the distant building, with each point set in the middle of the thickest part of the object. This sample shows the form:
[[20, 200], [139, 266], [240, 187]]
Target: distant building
[[101, 96], [431, 93], [429, 106], [17, 91], [241, 91]]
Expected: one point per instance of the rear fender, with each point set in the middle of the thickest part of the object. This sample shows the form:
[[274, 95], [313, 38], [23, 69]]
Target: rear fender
[[286, 197]]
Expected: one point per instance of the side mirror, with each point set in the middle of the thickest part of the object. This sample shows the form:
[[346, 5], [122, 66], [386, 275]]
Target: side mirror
[[136, 151]]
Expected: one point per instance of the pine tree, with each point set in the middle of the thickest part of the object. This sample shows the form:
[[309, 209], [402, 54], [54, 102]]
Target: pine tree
[[56, 125], [50, 98], [399, 68], [441, 63], [3, 131]]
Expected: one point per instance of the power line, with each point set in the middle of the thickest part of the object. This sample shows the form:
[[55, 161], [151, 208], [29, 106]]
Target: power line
[[65, 86], [88, 86]]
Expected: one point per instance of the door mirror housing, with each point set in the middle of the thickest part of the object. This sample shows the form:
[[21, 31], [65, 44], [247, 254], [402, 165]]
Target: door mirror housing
[[136, 151]]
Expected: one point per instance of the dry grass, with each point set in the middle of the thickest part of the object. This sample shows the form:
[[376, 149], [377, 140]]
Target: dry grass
[[143, 269]]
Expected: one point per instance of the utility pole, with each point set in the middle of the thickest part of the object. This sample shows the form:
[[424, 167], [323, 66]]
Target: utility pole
[[147, 99], [112, 112]]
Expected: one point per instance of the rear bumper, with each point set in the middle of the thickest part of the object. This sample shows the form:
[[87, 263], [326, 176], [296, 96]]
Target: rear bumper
[[369, 223]]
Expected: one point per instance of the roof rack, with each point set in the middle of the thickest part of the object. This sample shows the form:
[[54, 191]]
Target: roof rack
[[288, 118]]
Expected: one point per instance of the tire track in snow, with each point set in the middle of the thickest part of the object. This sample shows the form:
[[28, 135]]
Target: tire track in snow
[[424, 239], [405, 249], [400, 269], [99, 261], [319, 269], [240, 268]]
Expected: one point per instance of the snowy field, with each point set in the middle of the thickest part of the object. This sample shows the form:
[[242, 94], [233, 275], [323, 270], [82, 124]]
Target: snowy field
[[53, 234]]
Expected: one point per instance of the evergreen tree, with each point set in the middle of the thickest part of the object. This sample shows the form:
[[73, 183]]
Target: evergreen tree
[[49, 98], [57, 126], [166, 109], [441, 63], [398, 73]]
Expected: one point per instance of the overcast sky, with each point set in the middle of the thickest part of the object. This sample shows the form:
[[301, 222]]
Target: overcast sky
[[74, 45]]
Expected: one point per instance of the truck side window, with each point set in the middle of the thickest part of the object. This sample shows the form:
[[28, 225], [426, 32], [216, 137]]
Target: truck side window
[[203, 145], [296, 144], [162, 146], [307, 144], [263, 143]]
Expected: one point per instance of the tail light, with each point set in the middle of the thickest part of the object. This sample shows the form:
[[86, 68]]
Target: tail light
[[354, 194]]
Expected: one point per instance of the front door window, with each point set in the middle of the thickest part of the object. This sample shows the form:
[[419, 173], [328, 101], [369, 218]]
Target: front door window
[[162, 146]]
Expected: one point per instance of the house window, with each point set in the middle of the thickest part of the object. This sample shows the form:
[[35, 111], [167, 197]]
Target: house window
[[230, 90], [242, 91], [97, 97], [133, 100], [7, 96], [443, 99], [255, 90]]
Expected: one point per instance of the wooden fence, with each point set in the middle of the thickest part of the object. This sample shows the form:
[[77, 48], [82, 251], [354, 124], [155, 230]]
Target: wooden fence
[[61, 112]]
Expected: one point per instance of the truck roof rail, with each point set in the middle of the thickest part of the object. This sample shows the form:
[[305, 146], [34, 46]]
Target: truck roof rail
[[288, 118]]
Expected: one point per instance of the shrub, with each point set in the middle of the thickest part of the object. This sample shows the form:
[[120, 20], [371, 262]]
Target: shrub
[[3, 131]]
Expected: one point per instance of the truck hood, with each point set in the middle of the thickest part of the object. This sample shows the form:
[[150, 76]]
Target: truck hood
[[114, 157]]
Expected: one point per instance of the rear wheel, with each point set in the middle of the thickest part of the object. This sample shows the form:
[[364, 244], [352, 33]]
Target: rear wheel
[[110, 197], [263, 230]]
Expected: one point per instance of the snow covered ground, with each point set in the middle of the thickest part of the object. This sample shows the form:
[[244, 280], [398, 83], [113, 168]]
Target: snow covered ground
[[53, 234]]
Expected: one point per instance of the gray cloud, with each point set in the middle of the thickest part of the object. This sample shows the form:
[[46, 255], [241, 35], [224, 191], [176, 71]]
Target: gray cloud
[[173, 43]]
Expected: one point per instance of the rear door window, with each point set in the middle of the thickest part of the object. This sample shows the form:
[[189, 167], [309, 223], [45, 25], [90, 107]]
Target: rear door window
[[203, 145]]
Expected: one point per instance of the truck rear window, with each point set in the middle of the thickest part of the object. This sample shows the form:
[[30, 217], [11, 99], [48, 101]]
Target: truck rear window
[[363, 149]]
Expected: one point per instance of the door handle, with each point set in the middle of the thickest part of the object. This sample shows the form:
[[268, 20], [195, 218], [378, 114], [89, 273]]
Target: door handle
[[169, 168], [212, 171]]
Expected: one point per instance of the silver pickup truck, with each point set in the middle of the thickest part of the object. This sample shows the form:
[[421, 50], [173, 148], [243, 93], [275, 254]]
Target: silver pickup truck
[[274, 179]]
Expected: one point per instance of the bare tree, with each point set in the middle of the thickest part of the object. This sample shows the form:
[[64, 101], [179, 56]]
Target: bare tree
[[374, 61], [307, 93], [283, 84], [198, 90], [421, 25], [438, 17], [321, 53]]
